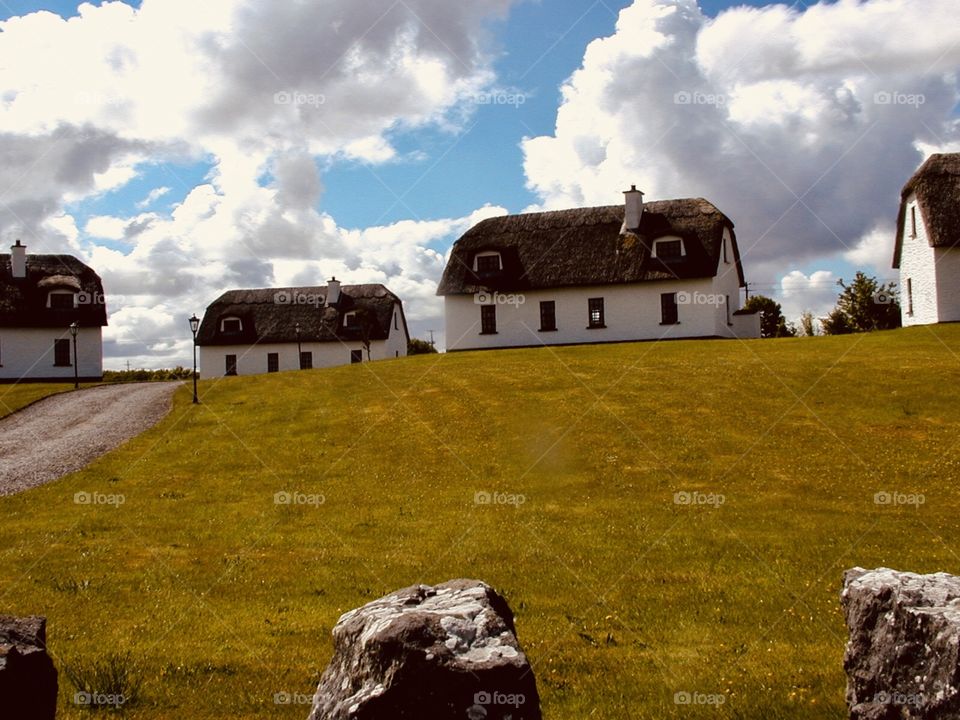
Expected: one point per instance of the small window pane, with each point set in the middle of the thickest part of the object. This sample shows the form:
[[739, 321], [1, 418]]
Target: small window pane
[[488, 319], [596, 312], [668, 249], [548, 315], [232, 325], [488, 263], [61, 353], [61, 301], [231, 368], [668, 309], [306, 360], [356, 356], [273, 362]]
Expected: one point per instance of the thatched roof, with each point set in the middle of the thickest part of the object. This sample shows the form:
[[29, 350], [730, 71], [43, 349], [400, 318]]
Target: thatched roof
[[23, 301], [937, 186], [584, 247], [270, 315]]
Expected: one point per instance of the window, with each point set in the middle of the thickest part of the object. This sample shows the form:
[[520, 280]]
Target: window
[[306, 360], [548, 315], [231, 365], [668, 309], [356, 356], [231, 325], [61, 301], [909, 296], [488, 263], [668, 249], [726, 256], [273, 362], [488, 319], [595, 306], [396, 319], [350, 320], [913, 221], [61, 353]]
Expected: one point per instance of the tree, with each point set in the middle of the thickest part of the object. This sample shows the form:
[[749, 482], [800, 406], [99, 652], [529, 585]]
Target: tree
[[416, 346], [863, 306], [807, 328], [772, 322]]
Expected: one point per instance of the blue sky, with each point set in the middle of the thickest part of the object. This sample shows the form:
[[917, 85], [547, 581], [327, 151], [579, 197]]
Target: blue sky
[[446, 115]]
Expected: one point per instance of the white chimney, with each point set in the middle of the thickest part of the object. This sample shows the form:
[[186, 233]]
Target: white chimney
[[18, 260], [333, 291], [633, 209]]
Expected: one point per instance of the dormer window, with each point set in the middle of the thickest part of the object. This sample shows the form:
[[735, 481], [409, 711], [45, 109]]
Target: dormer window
[[350, 319], [668, 249], [231, 325], [61, 300], [487, 262]]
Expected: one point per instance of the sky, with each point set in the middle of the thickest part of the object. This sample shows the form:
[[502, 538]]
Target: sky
[[183, 149]]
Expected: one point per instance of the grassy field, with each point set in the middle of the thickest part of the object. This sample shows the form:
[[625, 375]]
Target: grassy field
[[673, 523], [17, 396]]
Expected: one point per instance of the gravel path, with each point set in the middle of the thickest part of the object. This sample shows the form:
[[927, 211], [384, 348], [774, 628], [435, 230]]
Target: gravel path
[[64, 433]]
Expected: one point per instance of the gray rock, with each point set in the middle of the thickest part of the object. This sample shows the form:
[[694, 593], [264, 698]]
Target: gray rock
[[448, 651], [902, 656], [28, 679]]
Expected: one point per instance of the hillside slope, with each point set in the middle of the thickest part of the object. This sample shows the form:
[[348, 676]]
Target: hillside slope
[[669, 521]]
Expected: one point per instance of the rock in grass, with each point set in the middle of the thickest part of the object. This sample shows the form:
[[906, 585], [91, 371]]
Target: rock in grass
[[448, 651], [28, 679], [902, 656]]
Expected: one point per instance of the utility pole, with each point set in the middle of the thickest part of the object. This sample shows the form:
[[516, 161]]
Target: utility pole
[[746, 291], [431, 338]]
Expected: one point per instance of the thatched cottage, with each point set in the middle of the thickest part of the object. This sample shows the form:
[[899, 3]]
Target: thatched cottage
[[246, 332], [927, 249], [638, 271], [41, 296]]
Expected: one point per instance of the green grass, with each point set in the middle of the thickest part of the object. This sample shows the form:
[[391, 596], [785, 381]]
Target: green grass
[[623, 597], [17, 396]]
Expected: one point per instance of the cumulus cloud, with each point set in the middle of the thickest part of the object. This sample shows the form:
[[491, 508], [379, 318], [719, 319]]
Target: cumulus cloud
[[801, 124], [815, 293], [257, 89]]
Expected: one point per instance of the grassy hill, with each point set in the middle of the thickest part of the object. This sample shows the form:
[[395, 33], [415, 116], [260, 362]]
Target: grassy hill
[[674, 518]]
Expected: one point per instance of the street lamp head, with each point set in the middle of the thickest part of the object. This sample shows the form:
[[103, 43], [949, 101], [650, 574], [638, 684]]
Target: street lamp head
[[296, 329], [194, 324], [74, 328]]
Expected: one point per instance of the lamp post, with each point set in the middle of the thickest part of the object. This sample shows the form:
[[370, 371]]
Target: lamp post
[[194, 326], [74, 329], [299, 353]]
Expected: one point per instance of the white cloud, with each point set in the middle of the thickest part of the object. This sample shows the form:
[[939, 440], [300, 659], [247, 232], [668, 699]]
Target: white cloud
[[816, 293], [152, 197], [801, 124], [874, 251]]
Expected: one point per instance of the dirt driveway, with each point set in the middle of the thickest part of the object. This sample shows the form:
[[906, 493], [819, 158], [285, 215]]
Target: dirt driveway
[[64, 433]]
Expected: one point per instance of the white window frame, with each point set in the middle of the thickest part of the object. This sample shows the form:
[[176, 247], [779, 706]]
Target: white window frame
[[487, 253], [71, 293], [670, 238], [347, 317], [223, 323]]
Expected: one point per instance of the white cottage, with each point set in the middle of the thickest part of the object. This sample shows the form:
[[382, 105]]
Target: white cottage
[[640, 271], [41, 296], [927, 250], [246, 332]]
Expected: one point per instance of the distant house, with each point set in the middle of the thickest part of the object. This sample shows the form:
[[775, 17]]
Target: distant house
[[927, 249], [41, 296], [245, 332], [638, 271]]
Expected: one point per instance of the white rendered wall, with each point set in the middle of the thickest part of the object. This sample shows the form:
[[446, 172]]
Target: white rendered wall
[[27, 354], [917, 264], [948, 283]]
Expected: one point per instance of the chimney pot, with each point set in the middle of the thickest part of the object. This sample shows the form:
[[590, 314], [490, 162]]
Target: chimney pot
[[18, 260], [633, 209], [333, 291]]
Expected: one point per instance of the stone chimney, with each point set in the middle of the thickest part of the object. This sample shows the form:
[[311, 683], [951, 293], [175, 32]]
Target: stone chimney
[[333, 291], [633, 209], [18, 260]]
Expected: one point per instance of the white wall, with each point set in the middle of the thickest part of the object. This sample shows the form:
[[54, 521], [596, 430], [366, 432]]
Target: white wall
[[918, 263], [948, 283], [28, 354], [631, 312]]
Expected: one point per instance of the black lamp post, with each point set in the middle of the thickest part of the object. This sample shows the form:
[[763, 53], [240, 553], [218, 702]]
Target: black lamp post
[[74, 329], [194, 326], [299, 353]]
